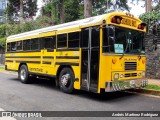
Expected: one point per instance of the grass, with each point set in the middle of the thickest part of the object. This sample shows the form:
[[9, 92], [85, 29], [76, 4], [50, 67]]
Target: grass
[[1, 68], [153, 87]]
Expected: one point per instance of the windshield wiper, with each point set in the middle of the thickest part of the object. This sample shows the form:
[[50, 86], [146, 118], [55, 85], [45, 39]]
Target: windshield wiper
[[124, 51]]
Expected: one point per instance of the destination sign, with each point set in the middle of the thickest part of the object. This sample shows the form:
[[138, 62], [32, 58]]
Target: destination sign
[[128, 22]]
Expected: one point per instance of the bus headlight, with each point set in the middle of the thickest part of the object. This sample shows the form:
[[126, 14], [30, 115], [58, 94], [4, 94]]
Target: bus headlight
[[139, 74], [116, 76], [143, 74], [121, 76]]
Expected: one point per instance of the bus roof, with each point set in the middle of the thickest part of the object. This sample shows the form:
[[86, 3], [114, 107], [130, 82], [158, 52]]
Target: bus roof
[[79, 23]]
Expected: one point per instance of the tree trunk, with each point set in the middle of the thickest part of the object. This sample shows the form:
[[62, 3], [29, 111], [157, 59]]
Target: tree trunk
[[21, 11], [61, 11], [148, 5], [87, 8]]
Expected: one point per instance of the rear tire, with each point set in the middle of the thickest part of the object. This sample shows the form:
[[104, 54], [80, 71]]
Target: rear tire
[[23, 74], [66, 80]]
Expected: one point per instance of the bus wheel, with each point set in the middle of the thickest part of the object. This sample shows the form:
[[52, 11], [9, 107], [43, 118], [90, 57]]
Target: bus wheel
[[23, 74], [66, 80]]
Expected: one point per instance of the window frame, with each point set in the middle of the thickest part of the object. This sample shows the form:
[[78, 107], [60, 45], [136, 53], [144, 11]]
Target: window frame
[[79, 32], [58, 41]]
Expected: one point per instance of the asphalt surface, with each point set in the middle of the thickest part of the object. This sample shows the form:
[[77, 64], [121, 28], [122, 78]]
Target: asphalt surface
[[42, 95]]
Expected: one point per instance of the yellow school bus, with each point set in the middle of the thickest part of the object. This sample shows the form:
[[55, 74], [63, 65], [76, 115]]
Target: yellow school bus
[[101, 53]]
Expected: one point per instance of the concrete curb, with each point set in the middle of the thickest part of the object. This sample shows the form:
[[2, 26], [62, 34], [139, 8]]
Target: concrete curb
[[146, 91]]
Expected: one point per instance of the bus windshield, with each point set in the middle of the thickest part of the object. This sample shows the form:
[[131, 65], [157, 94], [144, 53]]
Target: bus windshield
[[124, 41]]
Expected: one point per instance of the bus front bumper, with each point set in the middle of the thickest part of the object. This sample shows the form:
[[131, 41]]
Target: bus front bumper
[[125, 84]]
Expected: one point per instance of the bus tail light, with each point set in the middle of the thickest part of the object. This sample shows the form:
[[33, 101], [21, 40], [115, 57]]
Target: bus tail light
[[116, 19], [142, 26]]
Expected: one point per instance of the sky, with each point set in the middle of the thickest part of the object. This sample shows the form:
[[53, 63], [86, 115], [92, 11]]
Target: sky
[[136, 9]]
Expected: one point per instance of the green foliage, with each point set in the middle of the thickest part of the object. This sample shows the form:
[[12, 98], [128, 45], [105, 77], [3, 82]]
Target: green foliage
[[2, 30], [152, 19], [11, 29], [153, 87], [149, 17], [13, 10], [72, 10], [102, 6], [3, 42]]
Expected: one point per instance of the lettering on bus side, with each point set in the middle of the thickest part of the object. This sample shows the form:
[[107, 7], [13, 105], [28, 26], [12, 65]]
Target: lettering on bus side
[[129, 22], [36, 69]]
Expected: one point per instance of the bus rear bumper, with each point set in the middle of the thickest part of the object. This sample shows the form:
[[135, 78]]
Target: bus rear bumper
[[125, 84]]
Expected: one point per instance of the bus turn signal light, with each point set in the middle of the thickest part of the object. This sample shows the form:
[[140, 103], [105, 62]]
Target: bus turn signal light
[[114, 60], [143, 61], [116, 19]]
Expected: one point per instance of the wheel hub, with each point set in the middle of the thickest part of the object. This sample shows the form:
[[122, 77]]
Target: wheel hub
[[23, 74], [65, 79]]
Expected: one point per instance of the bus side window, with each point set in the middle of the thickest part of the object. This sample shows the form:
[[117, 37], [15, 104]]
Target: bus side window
[[62, 41], [105, 40], [85, 37], [73, 39], [26, 45], [19, 45], [95, 37], [49, 42], [8, 47], [13, 46], [34, 44]]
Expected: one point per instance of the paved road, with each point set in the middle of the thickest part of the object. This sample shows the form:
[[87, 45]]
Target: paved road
[[42, 95]]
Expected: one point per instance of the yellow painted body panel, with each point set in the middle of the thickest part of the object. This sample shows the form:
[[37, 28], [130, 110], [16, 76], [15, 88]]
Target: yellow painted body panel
[[108, 68]]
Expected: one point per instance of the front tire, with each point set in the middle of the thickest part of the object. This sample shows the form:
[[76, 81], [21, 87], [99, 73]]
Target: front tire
[[23, 74], [66, 80]]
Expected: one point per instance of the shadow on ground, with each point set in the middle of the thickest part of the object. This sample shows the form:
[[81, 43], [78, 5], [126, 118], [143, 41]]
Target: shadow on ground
[[50, 84]]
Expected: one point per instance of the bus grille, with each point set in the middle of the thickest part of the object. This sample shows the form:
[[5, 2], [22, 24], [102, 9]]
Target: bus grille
[[130, 65], [130, 75]]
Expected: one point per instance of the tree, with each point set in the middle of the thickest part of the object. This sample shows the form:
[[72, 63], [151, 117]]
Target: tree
[[54, 8], [97, 7], [62, 11], [87, 8], [102, 6], [152, 18], [14, 13], [72, 10]]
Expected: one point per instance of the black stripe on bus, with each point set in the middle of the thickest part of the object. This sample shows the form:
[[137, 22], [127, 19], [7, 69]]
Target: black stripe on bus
[[68, 49], [23, 56], [67, 63], [46, 62], [50, 57], [9, 60], [67, 57], [36, 62], [24, 51]]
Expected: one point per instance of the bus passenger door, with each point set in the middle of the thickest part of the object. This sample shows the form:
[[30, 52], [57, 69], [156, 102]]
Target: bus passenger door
[[47, 51], [90, 58]]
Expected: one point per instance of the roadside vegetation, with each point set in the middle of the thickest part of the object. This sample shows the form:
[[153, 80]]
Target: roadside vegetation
[[2, 68], [152, 87]]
